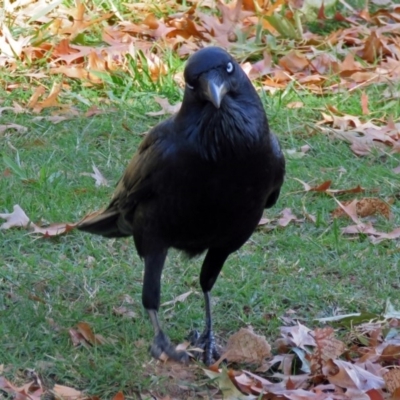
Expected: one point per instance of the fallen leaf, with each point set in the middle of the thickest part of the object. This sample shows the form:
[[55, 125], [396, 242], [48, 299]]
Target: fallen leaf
[[287, 217], [299, 335], [264, 221], [348, 375], [327, 347], [119, 396], [392, 380], [77, 338], [166, 107], [364, 104], [227, 387], [350, 209], [247, 347], [294, 61], [17, 218], [181, 298], [86, 331], [295, 104], [67, 393], [11, 126], [124, 312], [365, 207], [97, 176]]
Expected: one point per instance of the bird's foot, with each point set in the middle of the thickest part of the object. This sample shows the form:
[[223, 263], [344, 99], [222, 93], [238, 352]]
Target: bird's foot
[[206, 342], [161, 344]]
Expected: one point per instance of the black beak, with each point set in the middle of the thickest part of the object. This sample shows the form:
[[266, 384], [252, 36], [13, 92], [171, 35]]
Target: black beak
[[213, 88]]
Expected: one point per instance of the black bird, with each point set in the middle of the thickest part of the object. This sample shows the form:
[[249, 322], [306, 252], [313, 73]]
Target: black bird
[[198, 182]]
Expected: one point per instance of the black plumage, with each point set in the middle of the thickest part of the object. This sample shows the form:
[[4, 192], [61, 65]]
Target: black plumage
[[198, 182]]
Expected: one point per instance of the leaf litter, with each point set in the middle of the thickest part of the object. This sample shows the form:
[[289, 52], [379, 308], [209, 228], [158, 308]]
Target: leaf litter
[[363, 53], [19, 219]]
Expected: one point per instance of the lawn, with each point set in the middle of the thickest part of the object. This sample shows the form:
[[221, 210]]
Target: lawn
[[306, 269]]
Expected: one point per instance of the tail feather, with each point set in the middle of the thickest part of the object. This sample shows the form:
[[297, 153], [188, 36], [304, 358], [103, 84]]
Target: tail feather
[[104, 223]]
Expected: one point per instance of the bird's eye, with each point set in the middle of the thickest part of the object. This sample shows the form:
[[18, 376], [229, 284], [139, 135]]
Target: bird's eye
[[229, 67], [189, 86]]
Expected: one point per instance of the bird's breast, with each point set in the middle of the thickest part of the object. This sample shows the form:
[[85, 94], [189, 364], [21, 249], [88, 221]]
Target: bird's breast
[[203, 202]]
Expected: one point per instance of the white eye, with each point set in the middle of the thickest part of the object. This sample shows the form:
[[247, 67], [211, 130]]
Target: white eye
[[229, 67], [189, 86]]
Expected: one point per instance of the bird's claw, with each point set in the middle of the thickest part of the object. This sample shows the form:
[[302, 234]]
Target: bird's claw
[[206, 342], [161, 344]]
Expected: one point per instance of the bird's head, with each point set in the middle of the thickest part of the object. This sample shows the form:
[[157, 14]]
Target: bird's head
[[210, 74]]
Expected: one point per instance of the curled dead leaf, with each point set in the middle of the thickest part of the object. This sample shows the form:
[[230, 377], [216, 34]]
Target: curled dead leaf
[[15, 127], [392, 379], [248, 347], [166, 107], [86, 331], [97, 176], [351, 376]]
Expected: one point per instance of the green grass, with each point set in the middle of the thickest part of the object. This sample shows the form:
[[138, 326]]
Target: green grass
[[55, 283], [48, 285]]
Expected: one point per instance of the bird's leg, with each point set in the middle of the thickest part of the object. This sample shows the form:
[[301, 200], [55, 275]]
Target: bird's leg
[[154, 264], [210, 270], [206, 341]]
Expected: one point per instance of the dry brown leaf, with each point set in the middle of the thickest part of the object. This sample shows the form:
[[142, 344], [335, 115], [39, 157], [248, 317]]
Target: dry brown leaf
[[295, 104], [16, 109], [327, 347], [294, 61], [299, 335], [124, 312], [247, 347], [364, 103], [321, 188], [17, 218], [67, 393], [80, 23], [86, 331], [11, 126], [50, 101], [94, 110], [97, 176], [325, 188], [30, 391], [166, 107], [119, 396], [39, 91], [77, 338], [350, 210], [372, 47], [392, 379], [287, 217], [368, 229], [351, 376], [180, 298], [53, 229], [264, 221], [55, 119], [365, 207], [227, 387]]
